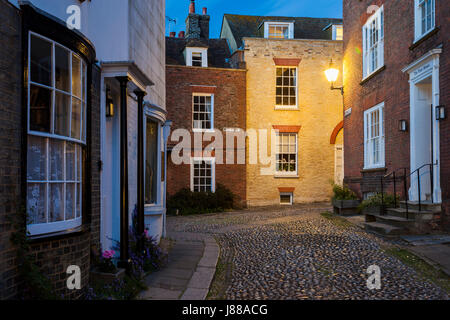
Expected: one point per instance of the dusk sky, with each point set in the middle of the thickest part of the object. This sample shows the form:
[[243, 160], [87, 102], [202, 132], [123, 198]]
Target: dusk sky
[[178, 9]]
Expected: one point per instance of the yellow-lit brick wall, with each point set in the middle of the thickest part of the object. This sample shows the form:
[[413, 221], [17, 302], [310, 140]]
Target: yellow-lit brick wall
[[319, 112]]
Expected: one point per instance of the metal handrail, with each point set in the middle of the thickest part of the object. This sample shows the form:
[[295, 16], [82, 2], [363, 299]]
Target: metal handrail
[[404, 177]]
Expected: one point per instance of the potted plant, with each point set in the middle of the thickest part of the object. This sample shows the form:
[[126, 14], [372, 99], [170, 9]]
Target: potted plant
[[106, 271], [345, 201], [372, 205]]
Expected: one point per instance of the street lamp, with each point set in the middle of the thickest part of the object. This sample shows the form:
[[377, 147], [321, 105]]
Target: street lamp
[[332, 74]]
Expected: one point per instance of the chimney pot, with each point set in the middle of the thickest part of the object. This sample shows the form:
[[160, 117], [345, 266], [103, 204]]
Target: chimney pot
[[181, 34], [172, 34], [205, 11], [192, 7]]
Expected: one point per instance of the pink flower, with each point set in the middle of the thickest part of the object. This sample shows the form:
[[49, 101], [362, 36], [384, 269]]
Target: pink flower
[[108, 254], [146, 234]]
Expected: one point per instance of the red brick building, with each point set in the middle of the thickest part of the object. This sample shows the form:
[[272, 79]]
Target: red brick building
[[205, 96], [396, 82]]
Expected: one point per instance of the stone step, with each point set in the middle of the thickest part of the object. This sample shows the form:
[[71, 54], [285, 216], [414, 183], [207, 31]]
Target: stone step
[[425, 206], [384, 229], [394, 221], [412, 214]]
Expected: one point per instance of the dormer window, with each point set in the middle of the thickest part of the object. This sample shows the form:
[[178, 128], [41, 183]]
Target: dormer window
[[196, 57], [338, 32], [279, 30]]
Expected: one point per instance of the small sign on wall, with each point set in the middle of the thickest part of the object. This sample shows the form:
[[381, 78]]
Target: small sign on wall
[[348, 112]]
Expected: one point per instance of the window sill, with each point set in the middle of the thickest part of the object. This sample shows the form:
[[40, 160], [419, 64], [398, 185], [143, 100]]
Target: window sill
[[424, 38], [286, 176], [287, 108], [59, 235], [374, 169], [373, 74], [203, 130]]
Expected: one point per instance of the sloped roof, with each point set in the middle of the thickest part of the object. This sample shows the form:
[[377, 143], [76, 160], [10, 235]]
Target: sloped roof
[[218, 51], [304, 28]]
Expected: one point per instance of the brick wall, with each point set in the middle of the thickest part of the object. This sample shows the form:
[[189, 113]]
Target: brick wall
[[52, 255], [390, 85], [229, 112], [10, 141]]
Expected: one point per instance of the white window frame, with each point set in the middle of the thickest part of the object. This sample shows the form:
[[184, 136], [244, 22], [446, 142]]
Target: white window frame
[[291, 195], [191, 50], [418, 32], [59, 226], [287, 107], [212, 161], [289, 25], [373, 51], [369, 162], [335, 28], [285, 173], [212, 111]]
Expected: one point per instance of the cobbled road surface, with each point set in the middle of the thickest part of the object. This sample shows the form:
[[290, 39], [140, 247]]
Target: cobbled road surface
[[295, 253]]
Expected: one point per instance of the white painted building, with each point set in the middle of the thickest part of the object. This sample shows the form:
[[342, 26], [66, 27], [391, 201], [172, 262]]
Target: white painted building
[[129, 39]]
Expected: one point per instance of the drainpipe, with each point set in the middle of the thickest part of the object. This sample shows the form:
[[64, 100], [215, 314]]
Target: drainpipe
[[124, 224], [140, 165]]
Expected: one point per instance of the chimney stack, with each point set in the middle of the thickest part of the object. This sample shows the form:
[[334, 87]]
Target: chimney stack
[[181, 34], [192, 7], [172, 34], [205, 11]]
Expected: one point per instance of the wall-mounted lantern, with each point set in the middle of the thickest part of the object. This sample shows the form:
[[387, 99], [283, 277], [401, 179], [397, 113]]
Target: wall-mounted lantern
[[402, 125], [440, 113], [332, 74], [109, 104]]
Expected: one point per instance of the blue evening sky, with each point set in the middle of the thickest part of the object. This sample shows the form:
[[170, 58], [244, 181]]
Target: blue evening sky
[[178, 9]]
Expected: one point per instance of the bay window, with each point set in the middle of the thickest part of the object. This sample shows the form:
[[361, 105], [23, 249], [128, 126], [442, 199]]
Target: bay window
[[373, 43], [151, 162], [56, 136], [374, 137]]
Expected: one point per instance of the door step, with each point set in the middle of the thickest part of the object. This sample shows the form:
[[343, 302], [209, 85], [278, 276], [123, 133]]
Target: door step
[[384, 229], [425, 206], [412, 214]]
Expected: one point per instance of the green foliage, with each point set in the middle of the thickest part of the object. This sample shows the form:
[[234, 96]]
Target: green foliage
[[343, 193], [188, 202], [125, 289], [376, 201], [33, 284]]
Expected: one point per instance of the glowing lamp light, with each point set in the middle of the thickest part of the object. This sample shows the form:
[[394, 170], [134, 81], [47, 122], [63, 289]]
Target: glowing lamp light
[[332, 73]]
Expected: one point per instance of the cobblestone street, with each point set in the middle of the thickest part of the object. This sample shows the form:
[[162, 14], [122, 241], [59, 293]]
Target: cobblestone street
[[295, 253]]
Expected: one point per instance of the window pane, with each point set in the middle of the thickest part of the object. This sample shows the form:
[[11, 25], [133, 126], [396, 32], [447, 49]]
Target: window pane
[[76, 118], [76, 76], [41, 61], [84, 81], [79, 162], [62, 75], [151, 161], [56, 202], [37, 158], [70, 161], [56, 151], [40, 108], [79, 196], [84, 121], [70, 201], [62, 114], [36, 203]]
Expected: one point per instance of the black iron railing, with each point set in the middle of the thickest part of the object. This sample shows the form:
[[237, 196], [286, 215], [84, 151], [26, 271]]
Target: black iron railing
[[404, 179]]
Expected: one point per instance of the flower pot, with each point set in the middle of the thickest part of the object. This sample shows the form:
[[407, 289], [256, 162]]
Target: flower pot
[[107, 277], [345, 207]]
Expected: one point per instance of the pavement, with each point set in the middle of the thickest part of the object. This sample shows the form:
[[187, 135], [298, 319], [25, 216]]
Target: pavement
[[189, 272]]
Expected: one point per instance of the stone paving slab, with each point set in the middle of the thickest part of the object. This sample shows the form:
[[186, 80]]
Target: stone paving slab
[[423, 240], [439, 254], [189, 272]]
